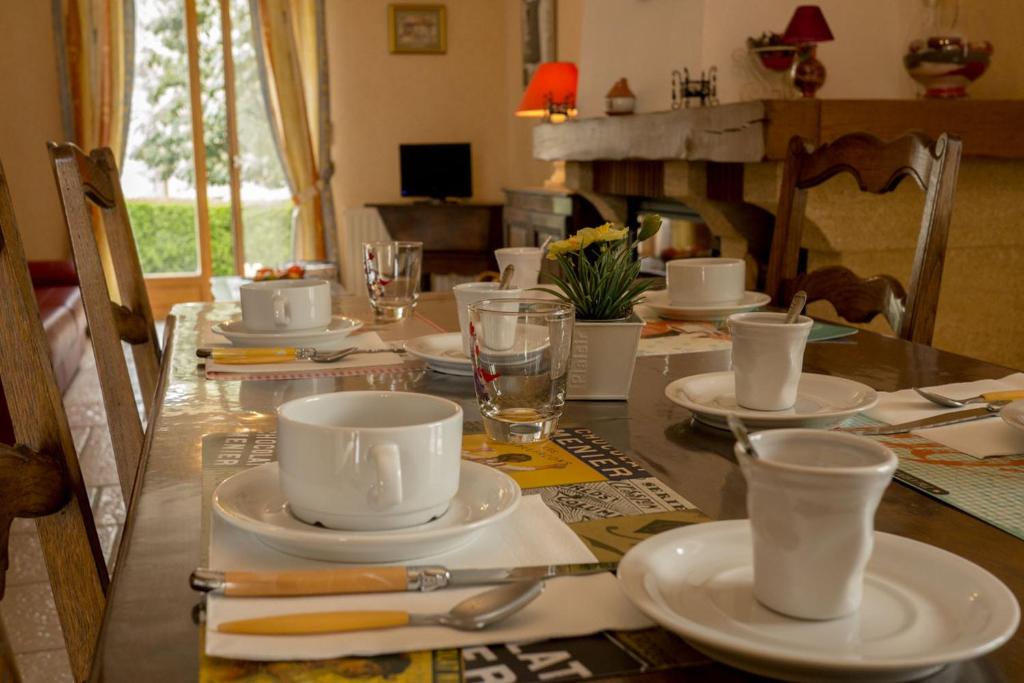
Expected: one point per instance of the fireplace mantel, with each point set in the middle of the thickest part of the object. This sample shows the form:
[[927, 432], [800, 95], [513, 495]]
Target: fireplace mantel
[[749, 132]]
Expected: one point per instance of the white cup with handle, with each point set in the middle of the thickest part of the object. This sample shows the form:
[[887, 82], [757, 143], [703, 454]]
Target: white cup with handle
[[527, 261], [286, 305], [811, 497], [369, 460], [705, 281]]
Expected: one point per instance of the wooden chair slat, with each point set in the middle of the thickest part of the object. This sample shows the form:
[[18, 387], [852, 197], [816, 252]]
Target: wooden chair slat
[[68, 538], [878, 167], [130, 320]]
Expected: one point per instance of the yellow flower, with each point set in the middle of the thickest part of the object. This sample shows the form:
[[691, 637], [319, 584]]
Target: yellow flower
[[584, 238]]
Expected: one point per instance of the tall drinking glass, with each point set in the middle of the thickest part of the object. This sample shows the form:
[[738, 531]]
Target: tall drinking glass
[[393, 277], [520, 353]]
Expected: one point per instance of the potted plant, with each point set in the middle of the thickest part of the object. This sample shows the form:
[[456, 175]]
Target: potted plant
[[599, 271]]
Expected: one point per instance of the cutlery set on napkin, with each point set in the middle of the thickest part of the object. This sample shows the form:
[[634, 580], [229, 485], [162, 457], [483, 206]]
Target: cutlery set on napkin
[[974, 429]]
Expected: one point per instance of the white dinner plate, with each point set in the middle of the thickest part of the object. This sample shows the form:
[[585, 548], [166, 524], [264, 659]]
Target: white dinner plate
[[922, 608], [252, 501], [822, 401], [1013, 414], [659, 303], [442, 352], [238, 335]]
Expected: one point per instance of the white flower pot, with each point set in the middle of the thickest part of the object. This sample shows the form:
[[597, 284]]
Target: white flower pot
[[602, 358]]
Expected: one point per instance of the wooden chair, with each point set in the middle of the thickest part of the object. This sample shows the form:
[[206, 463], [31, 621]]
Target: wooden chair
[[90, 192], [40, 477], [878, 167]]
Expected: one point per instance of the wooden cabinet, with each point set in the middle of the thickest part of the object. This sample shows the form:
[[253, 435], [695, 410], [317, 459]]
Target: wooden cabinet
[[533, 214], [457, 238]]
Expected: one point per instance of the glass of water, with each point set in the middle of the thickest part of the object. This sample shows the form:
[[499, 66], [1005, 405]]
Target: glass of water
[[520, 353], [393, 277]]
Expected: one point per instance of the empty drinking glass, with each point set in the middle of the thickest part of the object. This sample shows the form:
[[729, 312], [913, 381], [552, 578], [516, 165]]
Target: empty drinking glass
[[520, 353], [393, 277]]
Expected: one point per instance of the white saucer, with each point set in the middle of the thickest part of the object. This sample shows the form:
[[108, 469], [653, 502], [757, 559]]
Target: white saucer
[[659, 303], [442, 352], [238, 335], [1013, 414], [822, 401], [922, 608], [252, 501]]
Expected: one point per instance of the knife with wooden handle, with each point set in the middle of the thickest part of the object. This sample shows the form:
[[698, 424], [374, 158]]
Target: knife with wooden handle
[[375, 579], [255, 354], [316, 622]]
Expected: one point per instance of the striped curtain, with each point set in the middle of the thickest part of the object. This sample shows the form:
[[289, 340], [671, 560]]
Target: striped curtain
[[292, 57]]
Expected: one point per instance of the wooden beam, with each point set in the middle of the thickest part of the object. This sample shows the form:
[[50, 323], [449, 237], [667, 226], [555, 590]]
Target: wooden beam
[[198, 148], [233, 155]]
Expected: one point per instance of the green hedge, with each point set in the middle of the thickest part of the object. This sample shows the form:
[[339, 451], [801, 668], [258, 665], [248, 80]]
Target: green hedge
[[165, 235]]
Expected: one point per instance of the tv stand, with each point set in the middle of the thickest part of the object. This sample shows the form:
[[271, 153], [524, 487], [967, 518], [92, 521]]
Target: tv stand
[[457, 238]]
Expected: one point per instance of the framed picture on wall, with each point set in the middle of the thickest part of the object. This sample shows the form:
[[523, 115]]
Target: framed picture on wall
[[417, 29]]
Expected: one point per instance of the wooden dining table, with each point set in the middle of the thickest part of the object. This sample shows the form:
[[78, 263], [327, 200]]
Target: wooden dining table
[[151, 632]]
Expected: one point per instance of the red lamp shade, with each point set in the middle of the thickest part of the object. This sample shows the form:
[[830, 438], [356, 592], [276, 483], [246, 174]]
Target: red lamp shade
[[553, 86], [808, 25]]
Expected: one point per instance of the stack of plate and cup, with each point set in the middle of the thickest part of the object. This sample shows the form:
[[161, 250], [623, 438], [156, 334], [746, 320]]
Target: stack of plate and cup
[[704, 289], [281, 313]]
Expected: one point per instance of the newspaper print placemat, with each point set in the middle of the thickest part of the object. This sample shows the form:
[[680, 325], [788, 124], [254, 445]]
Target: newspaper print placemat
[[608, 499]]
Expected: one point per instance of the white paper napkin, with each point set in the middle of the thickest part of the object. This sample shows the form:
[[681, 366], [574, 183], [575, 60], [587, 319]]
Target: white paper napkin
[[532, 535], [985, 438], [367, 340]]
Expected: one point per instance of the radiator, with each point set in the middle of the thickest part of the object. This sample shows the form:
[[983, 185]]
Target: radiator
[[357, 226]]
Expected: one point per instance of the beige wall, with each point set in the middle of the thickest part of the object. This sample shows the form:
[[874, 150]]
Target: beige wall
[[29, 116], [644, 40], [379, 100]]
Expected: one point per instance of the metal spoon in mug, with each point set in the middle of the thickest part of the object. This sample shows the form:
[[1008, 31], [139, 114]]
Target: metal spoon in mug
[[545, 243], [506, 277], [795, 306], [738, 430], [472, 614]]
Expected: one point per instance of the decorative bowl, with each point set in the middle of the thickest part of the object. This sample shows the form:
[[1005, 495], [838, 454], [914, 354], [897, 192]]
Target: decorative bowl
[[946, 65]]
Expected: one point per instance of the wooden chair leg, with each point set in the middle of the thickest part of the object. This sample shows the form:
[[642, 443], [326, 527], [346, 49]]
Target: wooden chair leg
[[8, 668]]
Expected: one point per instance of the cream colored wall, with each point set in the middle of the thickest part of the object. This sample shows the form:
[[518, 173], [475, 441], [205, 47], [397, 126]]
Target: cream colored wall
[[379, 100], [29, 116], [644, 40]]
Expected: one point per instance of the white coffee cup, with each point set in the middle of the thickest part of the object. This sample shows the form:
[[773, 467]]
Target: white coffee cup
[[369, 460], [471, 292], [527, 261], [811, 498], [286, 305], [705, 281], [767, 358]]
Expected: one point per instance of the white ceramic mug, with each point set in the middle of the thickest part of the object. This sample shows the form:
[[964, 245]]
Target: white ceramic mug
[[286, 305], [767, 358], [527, 261], [811, 497], [471, 292], [369, 460], [705, 281]]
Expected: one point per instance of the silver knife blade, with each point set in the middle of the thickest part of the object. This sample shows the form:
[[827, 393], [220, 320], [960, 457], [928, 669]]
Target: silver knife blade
[[469, 577], [934, 421]]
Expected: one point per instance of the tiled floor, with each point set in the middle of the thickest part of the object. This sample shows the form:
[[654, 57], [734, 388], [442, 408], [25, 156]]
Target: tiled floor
[[29, 614]]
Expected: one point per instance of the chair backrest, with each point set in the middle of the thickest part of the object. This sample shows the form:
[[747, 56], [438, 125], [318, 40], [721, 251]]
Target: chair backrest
[[878, 167], [90, 192], [41, 475]]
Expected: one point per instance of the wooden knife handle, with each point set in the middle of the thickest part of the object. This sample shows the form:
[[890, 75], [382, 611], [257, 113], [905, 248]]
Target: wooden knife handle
[[315, 622], [254, 355], [316, 581], [1003, 395]]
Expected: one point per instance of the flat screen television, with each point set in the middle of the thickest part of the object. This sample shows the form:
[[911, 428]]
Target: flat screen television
[[436, 171]]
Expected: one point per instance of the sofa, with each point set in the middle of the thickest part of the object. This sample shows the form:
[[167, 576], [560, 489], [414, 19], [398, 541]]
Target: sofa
[[55, 284]]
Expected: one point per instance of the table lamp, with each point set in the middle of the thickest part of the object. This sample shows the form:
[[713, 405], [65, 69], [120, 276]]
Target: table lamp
[[551, 94], [806, 29]]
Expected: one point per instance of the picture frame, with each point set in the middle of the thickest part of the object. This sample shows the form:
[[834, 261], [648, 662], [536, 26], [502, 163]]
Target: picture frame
[[417, 29]]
